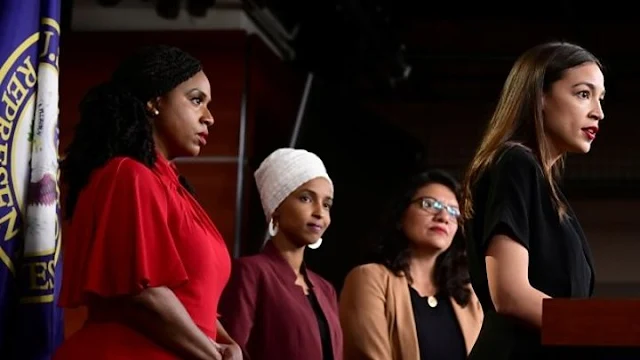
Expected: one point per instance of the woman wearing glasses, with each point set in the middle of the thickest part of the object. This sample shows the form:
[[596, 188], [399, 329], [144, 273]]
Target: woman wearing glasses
[[415, 301]]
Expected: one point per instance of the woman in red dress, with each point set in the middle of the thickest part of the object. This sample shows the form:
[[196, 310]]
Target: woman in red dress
[[140, 253]]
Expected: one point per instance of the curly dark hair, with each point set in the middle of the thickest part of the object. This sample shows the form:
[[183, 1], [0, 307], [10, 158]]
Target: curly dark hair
[[451, 273], [113, 118]]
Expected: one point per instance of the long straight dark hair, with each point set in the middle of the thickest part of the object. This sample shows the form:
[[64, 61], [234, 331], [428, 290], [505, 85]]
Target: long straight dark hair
[[518, 116]]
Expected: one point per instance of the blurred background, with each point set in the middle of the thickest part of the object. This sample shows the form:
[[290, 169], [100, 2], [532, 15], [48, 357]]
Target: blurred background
[[377, 89]]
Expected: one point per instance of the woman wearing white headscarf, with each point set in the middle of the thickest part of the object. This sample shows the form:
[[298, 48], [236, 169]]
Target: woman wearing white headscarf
[[273, 306]]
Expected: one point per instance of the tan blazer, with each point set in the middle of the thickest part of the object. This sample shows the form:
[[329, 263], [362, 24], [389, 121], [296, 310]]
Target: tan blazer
[[377, 317]]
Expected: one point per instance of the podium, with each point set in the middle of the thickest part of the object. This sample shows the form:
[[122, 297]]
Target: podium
[[608, 323]]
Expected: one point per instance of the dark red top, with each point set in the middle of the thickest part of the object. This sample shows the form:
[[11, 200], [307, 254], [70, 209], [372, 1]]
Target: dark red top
[[133, 228], [270, 316]]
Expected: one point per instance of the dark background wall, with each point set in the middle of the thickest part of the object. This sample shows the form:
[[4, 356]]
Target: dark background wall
[[371, 135]]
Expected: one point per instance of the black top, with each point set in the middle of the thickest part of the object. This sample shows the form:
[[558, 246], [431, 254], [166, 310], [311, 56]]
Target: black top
[[439, 333], [512, 198], [325, 337]]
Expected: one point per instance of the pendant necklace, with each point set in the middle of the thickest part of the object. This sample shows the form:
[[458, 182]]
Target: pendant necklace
[[432, 301]]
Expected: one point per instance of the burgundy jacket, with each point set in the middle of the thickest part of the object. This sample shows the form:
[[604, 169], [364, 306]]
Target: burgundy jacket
[[270, 317]]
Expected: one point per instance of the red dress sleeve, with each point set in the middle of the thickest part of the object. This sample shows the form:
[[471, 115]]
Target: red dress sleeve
[[132, 244]]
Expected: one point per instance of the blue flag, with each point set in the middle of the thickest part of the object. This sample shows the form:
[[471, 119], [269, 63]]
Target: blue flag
[[31, 325]]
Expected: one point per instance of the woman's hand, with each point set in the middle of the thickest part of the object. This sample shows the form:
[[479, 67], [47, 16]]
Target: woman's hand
[[218, 355], [158, 314], [230, 351]]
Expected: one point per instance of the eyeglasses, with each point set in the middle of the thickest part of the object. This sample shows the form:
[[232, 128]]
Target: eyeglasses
[[434, 206]]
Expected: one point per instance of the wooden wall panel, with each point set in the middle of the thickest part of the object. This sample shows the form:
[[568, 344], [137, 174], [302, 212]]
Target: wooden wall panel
[[226, 75], [215, 186], [274, 94]]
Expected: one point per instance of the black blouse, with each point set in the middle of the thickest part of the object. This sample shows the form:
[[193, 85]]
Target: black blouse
[[325, 338], [439, 333], [513, 198]]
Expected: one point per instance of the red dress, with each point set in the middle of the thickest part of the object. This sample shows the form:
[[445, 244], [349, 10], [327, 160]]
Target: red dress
[[133, 228]]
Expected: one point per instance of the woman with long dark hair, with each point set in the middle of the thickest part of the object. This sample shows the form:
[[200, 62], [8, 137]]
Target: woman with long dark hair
[[525, 243], [141, 254], [414, 302]]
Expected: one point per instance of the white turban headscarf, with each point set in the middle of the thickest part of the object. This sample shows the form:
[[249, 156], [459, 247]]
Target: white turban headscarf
[[281, 173]]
